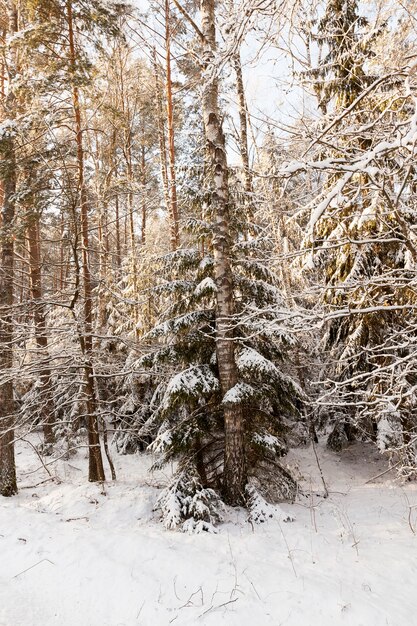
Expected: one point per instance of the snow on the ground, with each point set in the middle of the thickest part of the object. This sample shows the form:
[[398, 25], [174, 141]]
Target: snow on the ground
[[75, 554]]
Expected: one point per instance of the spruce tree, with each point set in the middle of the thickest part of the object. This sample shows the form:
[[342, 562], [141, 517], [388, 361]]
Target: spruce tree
[[359, 237], [182, 406]]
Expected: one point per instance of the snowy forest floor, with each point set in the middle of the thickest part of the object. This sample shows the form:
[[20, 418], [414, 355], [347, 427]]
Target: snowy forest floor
[[74, 554]]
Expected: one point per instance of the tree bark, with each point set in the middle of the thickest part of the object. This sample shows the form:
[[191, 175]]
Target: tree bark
[[95, 464], [116, 207], [143, 195], [117, 226], [175, 237], [161, 134], [104, 170], [39, 318], [235, 473], [243, 123], [61, 255], [8, 484], [127, 151]]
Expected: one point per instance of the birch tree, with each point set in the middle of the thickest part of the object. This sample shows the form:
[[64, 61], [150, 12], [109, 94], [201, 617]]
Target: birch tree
[[235, 470]]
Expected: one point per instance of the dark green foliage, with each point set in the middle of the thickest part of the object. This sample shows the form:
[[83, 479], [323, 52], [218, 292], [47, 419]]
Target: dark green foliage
[[185, 413], [344, 37]]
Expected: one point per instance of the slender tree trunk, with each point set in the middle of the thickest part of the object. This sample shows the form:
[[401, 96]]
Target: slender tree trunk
[[235, 477], [125, 234], [143, 195], [61, 255], [116, 207], [134, 264], [161, 135], [40, 328], [2, 100], [2, 72], [243, 122], [8, 485], [95, 466], [21, 263], [118, 247], [130, 199], [102, 194], [175, 237], [103, 262]]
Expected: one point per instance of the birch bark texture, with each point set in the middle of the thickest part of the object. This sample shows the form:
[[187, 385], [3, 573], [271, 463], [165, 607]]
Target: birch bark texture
[[243, 123], [235, 472]]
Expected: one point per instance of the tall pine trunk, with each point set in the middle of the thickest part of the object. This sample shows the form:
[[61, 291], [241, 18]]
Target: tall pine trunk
[[95, 464], [234, 477], [8, 485]]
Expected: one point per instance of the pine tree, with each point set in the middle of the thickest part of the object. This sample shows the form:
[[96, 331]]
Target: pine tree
[[46, 75], [8, 486]]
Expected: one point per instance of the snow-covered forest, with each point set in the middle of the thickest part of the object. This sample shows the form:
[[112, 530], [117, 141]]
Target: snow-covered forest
[[208, 339]]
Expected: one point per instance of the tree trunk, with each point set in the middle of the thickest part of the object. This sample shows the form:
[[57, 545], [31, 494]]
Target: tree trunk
[[61, 255], [243, 134], [161, 134], [95, 465], [102, 263], [143, 195], [175, 237], [234, 479], [134, 264], [116, 208], [117, 225], [103, 160], [8, 485], [47, 419]]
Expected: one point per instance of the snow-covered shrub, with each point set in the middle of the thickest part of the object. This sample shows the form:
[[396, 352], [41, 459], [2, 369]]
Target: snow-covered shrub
[[187, 505], [397, 441], [389, 432], [261, 511]]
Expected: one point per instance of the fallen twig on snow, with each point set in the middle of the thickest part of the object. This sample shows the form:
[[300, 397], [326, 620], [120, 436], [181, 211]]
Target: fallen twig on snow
[[32, 566]]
